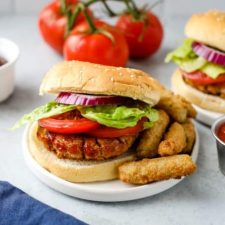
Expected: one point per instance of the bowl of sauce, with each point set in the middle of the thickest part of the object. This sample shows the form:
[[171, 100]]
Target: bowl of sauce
[[218, 130], [2, 61], [9, 53]]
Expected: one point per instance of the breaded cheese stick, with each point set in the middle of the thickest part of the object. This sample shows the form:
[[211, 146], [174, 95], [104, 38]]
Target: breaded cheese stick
[[176, 106], [150, 138], [174, 141], [173, 107], [190, 109], [150, 170], [190, 136]]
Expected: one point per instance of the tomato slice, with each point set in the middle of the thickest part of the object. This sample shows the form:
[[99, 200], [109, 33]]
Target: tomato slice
[[68, 126], [199, 78], [110, 132]]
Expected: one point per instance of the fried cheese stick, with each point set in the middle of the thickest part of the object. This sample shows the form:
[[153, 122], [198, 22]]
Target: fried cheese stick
[[190, 136], [173, 107], [190, 109], [176, 106], [174, 141], [150, 138], [150, 170]]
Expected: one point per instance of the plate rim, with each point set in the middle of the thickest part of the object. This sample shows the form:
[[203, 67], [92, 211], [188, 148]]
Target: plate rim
[[102, 195], [205, 116]]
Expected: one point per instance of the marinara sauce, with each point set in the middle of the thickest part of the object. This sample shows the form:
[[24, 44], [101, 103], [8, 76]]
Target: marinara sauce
[[221, 132], [2, 61]]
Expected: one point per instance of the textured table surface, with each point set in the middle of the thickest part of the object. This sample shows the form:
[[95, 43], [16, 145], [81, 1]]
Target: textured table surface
[[199, 199]]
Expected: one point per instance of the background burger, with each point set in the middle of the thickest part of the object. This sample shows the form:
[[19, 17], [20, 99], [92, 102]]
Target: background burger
[[201, 60], [102, 118]]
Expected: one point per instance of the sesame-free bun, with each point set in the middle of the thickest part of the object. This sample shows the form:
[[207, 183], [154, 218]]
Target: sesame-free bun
[[207, 28], [89, 78], [74, 170], [203, 100]]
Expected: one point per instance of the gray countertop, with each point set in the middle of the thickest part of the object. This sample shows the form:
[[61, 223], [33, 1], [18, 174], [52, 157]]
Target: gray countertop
[[198, 199]]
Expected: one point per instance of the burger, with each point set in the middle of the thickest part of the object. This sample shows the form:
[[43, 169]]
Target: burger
[[94, 122], [200, 77]]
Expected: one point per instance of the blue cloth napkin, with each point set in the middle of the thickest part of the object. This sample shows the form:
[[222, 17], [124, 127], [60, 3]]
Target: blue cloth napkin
[[16, 207]]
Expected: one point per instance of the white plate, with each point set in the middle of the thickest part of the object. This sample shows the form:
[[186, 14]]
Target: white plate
[[205, 116], [110, 191]]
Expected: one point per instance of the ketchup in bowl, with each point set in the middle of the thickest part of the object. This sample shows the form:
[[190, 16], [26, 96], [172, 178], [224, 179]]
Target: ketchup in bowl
[[2, 61], [221, 132]]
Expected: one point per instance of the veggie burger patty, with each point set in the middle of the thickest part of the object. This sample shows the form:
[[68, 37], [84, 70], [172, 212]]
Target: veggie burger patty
[[82, 146]]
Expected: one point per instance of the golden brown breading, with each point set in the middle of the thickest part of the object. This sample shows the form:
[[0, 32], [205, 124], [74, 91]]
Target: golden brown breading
[[190, 109], [176, 106], [150, 138], [190, 136], [174, 141], [213, 89], [150, 170], [173, 107]]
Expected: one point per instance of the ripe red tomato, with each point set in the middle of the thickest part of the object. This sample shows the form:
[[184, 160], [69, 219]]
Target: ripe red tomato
[[96, 47], [199, 78], [52, 24], [143, 36], [67, 126], [110, 132]]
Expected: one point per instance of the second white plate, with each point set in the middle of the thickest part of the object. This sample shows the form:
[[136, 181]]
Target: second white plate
[[205, 116], [107, 191]]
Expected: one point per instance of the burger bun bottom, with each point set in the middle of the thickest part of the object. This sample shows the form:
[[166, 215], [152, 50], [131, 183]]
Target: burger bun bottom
[[73, 170], [204, 101]]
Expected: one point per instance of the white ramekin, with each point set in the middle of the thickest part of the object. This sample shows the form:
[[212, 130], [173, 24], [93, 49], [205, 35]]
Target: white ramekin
[[9, 51]]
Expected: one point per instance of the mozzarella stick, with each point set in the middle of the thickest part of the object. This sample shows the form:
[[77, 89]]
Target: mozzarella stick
[[174, 141], [150, 170], [190, 136], [150, 138], [176, 106], [173, 107], [190, 109]]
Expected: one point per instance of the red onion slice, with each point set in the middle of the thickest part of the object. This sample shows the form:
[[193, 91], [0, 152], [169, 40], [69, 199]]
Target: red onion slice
[[208, 53], [89, 100]]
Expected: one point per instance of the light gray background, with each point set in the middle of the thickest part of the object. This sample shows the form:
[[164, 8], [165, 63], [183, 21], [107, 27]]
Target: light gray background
[[199, 199], [172, 7]]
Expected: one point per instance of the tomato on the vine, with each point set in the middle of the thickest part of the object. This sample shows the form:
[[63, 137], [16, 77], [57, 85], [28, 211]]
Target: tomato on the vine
[[143, 35], [106, 45], [52, 23]]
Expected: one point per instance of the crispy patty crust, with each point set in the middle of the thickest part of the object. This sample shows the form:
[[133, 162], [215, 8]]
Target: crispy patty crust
[[82, 146], [212, 89]]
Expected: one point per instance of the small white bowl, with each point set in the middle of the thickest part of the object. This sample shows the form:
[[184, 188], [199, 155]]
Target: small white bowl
[[10, 52]]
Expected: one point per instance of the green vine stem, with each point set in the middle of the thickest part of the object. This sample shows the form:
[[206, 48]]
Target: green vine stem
[[92, 27], [63, 7], [72, 13], [111, 13], [132, 9]]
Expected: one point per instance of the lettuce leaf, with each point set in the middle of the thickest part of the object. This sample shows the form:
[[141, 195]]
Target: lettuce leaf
[[190, 62], [50, 109], [120, 116], [184, 51], [190, 65], [108, 115], [213, 70]]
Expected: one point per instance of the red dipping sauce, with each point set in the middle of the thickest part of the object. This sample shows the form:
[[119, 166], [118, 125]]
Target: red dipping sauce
[[221, 132], [2, 61]]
